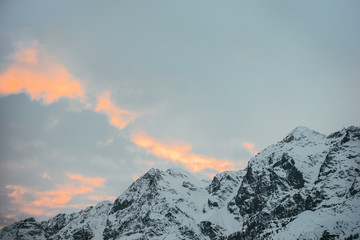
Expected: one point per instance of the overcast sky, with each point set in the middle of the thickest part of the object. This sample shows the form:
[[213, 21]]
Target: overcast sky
[[94, 94]]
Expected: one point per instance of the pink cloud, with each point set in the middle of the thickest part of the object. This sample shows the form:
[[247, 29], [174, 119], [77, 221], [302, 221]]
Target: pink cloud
[[250, 147], [101, 197], [46, 175], [96, 182], [118, 117], [28, 55], [35, 202], [38, 74], [182, 153], [135, 176]]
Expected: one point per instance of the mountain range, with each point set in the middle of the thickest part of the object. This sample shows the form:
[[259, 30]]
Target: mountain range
[[305, 186]]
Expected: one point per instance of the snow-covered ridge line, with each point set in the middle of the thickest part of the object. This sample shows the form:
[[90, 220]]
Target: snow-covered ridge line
[[306, 186]]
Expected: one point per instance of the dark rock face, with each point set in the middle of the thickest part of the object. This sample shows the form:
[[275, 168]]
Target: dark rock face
[[338, 176], [215, 185], [252, 193], [211, 230], [222, 188], [55, 226], [306, 177], [256, 189], [118, 205], [83, 234], [294, 177], [355, 187], [25, 229], [329, 165], [189, 185]]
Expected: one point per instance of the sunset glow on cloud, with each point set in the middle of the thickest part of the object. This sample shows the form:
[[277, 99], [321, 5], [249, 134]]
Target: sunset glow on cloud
[[135, 176], [101, 197], [118, 117], [57, 198], [182, 154], [19, 200], [250, 147], [96, 182], [39, 75], [27, 55], [46, 176]]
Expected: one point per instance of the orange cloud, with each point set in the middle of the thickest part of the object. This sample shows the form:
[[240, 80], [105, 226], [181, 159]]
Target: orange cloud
[[118, 117], [10, 216], [46, 176], [96, 182], [250, 147], [182, 154], [64, 193], [34, 202], [58, 197], [27, 55], [101, 197], [18, 195], [135, 176], [39, 75], [32, 211]]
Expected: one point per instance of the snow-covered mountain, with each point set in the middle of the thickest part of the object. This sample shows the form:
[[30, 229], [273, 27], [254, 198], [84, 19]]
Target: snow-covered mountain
[[303, 187]]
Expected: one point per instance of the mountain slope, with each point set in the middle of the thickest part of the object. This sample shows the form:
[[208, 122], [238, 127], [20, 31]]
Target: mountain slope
[[306, 174], [303, 187]]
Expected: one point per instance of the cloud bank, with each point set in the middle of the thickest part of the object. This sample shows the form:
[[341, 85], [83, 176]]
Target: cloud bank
[[35, 202], [118, 117], [181, 153], [36, 73], [250, 147]]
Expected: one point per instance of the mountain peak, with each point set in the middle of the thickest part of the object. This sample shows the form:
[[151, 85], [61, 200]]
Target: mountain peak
[[299, 133], [154, 171], [177, 172]]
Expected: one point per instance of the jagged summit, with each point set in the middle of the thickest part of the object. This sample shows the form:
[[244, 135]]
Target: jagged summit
[[347, 133], [301, 132], [306, 186], [177, 171], [171, 171]]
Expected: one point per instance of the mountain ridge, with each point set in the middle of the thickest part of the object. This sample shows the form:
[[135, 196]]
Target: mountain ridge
[[305, 186]]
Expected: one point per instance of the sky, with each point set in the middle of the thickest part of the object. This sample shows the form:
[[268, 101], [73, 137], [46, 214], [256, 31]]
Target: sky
[[93, 94]]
